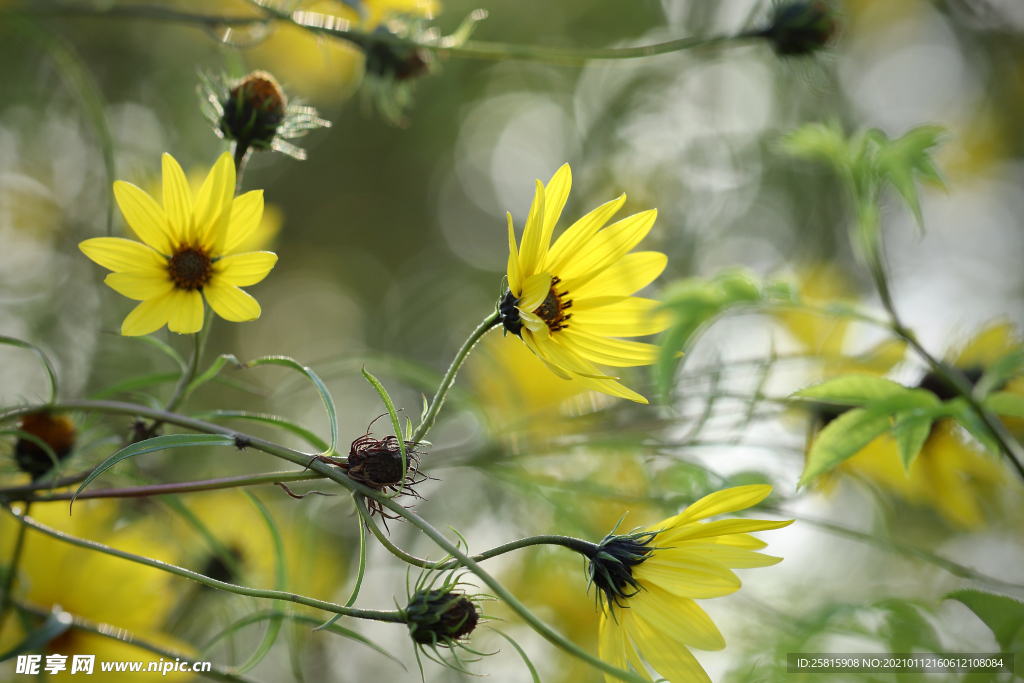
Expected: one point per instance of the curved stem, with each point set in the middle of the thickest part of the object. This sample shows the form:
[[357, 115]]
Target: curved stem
[[241, 154], [489, 322], [12, 571], [119, 634], [585, 548], [389, 616], [162, 489], [310, 461]]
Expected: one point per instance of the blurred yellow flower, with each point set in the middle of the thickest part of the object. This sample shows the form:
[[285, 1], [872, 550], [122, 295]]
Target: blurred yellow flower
[[322, 67], [190, 246], [590, 271], [952, 474], [650, 578], [99, 587]]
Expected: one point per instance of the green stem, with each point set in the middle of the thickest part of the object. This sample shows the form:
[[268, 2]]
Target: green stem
[[163, 489], [306, 460], [119, 634], [489, 322], [389, 616], [468, 50], [585, 548], [12, 571], [241, 154]]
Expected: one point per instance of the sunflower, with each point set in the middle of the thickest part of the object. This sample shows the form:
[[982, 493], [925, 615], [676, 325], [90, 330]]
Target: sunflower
[[568, 301], [648, 580], [190, 246]]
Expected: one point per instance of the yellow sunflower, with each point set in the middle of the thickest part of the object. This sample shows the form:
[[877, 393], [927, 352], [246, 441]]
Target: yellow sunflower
[[591, 272], [190, 246], [648, 581]]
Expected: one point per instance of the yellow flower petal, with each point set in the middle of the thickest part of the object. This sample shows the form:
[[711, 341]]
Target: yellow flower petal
[[614, 352], [186, 311], [720, 527], [721, 502], [681, 619], [177, 200], [140, 286], [242, 270], [121, 255], [605, 248], [734, 558], [149, 316], [632, 273], [611, 646], [145, 217], [531, 251], [675, 663], [231, 303], [246, 214], [213, 206], [515, 278], [535, 290], [634, 317], [553, 352], [579, 233], [555, 195], [688, 576], [610, 387]]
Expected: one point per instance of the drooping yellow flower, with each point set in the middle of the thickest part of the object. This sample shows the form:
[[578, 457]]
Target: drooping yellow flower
[[104, 589], [189, 250], [650, 578], [591, 272]]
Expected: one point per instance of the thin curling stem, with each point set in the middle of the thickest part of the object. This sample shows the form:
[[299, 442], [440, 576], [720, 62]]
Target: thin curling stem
[[585, 548], [489, 323], [389, 616]]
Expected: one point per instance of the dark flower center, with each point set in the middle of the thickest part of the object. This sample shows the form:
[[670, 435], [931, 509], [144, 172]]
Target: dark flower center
[[611, 566], [56, 431], [552, 309], [190, 268]]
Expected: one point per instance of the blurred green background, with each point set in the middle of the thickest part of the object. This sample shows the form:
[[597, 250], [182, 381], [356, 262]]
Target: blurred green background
[[392, 248]]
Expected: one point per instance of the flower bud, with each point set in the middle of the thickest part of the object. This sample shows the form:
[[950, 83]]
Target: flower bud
[[440, 616], [801, 27], [56, 431], [253, 110]]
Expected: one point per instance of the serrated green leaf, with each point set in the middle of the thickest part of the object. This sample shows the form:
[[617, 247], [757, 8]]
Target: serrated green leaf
[[1005, 403], [843, 438], [1002, 614], [910, 431], [157, 443], [864, 389]]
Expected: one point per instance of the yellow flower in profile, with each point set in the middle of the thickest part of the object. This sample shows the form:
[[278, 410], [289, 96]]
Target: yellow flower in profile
[[190, 250], [591, 272], [104, 589], [648, 581]]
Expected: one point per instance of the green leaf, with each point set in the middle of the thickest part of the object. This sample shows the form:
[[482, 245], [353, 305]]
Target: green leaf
[[280, 583], [910, 432], [854, 390], [908, 158], [961, 411], [821, 141], [1005, 403], [157, 443], [1002, 614], [275, 420], [212, 371], [534, 676], [325, 396], [395, 424], [47, 366], [998, 373], [844, 437]]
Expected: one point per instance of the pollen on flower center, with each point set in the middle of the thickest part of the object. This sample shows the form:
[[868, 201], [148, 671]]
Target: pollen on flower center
[[552, 309], [190, 268]]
